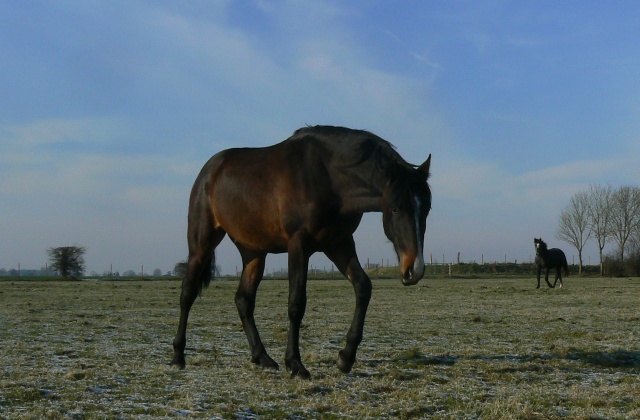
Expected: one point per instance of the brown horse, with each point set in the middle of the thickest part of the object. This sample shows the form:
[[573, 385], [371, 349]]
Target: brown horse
[[304, 195]]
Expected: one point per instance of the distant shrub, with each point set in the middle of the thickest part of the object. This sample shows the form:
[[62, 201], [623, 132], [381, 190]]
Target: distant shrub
[[630, 267]]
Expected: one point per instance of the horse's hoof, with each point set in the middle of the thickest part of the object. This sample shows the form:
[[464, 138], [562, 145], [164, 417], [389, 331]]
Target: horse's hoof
[[302, 374], [298, 370], [178, 364], [265, 361], [344, 365]]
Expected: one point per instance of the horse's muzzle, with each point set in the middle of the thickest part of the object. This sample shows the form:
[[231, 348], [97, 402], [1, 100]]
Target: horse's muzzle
[[411, 275]]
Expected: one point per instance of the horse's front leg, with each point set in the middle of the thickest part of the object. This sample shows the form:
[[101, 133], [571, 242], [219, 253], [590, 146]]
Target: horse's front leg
[[298, 266], [346, 260], [539, 272], [246, 303]]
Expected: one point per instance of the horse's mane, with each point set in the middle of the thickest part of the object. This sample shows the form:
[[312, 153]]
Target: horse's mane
[[355, 146], [364, 150]]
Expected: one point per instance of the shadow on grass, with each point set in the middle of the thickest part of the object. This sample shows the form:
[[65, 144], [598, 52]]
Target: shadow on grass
[[414, 357], [612, 359], [407, 365], [430, 360], [410, 359]]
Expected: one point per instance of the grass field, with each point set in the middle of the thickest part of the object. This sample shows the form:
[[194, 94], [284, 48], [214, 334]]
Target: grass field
[[454, 348]]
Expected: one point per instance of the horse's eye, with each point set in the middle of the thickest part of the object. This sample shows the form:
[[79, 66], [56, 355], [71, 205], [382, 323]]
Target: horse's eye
[[394, 210]]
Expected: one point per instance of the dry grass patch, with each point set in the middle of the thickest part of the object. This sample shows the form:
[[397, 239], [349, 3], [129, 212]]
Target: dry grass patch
[[444, 349]]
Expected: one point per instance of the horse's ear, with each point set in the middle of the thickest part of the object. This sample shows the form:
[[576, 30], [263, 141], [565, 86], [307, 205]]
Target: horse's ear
[[424, 168]]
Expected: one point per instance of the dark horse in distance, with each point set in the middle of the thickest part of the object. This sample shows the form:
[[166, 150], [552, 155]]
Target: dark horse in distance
[[304, 195], [548, 259]]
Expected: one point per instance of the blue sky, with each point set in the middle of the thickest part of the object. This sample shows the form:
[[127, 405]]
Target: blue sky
[[109, 109]]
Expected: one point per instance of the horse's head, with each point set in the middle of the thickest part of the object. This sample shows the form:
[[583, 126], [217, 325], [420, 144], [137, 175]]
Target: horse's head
[[539, 244], [406, 203]]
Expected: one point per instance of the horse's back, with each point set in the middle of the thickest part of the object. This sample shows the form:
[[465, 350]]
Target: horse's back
[[558, 253], [263, 196], [287, 170]]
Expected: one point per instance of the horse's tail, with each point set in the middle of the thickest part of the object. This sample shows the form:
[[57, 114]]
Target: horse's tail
[[202, 262], [207, 272], [201, 234], [199, 271]]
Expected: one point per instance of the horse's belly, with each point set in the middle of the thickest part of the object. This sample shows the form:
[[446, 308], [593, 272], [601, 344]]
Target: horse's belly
[[260, 221], [263, 243], [255, 234], [270, 237]]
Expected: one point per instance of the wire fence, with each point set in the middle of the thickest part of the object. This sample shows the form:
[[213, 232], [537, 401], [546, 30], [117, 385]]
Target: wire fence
[[379, 267], [439, 269]]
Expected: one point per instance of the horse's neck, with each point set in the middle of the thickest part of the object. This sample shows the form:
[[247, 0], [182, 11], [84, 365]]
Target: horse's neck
[[361, 193], [361, 201]]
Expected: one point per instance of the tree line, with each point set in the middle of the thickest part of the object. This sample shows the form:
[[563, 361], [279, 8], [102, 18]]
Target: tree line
[[606, 215], [68, 262]]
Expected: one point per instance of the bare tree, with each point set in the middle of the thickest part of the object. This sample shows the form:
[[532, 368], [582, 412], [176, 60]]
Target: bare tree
[[625, 216], [574, 224], [600, 216]]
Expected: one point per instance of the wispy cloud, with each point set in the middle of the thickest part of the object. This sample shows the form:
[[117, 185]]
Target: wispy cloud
[[110, 131], [59, 130], [476, 183]]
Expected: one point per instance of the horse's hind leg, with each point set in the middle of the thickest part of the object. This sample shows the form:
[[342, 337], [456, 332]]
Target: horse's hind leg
[[546, 278], [558, 277], [246, 302], [201, 258]]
